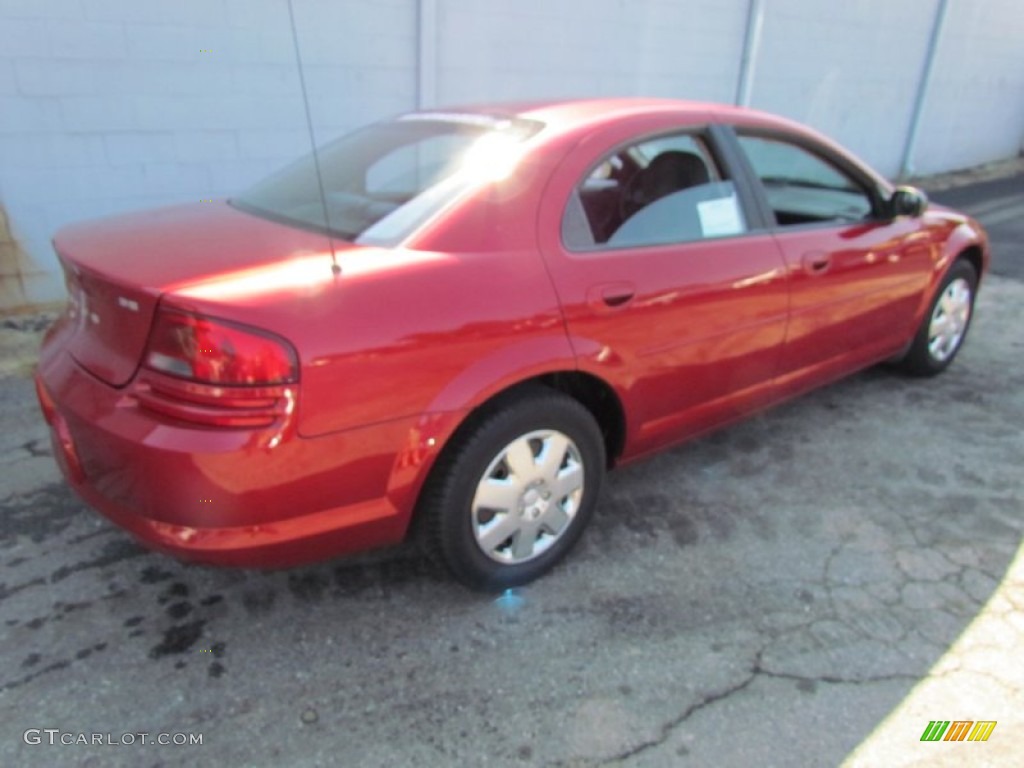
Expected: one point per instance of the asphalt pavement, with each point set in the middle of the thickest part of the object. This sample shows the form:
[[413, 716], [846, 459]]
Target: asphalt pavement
[[811, 587]]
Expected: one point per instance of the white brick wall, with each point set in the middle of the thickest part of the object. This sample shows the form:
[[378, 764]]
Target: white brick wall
[[851, 70], [50, 9], [205, 12], [113, 105], [975, 113], [536, 48], [8, 78]]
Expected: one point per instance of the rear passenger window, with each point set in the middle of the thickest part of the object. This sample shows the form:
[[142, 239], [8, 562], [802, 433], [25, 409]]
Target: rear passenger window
[[655, 192]]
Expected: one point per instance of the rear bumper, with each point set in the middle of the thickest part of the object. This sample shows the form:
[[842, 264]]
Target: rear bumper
[[241, 497], [294, 541]]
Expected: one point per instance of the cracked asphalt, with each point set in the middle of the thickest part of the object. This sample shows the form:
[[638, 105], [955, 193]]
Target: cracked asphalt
[[810, 587]]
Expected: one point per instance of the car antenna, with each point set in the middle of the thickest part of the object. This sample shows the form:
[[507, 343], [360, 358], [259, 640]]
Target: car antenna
[[335, 267]]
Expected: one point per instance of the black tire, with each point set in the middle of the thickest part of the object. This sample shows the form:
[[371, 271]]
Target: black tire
[[924, 359], [452, 518]]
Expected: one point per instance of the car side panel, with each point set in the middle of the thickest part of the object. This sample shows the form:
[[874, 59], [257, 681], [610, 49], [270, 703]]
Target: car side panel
[[856, 288], [697, 343], [861, 307]]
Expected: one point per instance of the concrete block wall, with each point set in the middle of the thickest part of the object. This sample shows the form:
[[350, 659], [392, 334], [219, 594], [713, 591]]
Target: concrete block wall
[[975, 112], [524, 49], [115, 105], [851, 72]]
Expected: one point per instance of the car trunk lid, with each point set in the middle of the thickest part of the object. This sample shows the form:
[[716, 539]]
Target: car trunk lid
[[118, 268]]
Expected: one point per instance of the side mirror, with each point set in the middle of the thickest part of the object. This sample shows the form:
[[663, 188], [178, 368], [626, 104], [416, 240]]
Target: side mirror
[[907, 201]]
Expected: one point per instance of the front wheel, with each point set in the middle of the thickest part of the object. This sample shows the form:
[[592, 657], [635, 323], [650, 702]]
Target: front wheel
[[944, 328], [512, 495]]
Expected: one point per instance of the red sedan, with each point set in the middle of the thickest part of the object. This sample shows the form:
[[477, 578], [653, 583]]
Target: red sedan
[[454, 323]]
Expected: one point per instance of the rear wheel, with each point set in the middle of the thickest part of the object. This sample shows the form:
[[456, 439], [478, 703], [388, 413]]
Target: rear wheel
[[945, 326], [512, 495]]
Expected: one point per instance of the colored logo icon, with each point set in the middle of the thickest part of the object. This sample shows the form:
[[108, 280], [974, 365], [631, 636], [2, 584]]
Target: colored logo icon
[[958, 730]]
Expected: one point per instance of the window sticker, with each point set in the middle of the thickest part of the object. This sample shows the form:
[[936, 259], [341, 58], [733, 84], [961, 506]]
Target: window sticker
[[721, 217]]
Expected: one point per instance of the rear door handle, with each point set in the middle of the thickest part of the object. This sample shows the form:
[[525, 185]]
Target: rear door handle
[[611, 295], [817, 262]]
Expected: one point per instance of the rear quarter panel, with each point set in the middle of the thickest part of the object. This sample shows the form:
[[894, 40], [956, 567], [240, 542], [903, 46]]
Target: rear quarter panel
[[387, 337], [434, 325]]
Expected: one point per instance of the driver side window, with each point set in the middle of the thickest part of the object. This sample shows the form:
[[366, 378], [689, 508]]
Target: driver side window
[[663, 190], [803, 187]]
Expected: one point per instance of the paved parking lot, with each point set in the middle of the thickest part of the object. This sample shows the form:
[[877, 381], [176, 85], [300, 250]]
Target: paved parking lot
[[812, 586]]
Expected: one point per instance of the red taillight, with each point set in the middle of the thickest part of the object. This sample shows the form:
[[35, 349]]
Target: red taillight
[[216, 352]]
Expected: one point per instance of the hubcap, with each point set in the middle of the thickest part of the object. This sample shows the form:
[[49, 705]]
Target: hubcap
[[949, 320], [527, 496]]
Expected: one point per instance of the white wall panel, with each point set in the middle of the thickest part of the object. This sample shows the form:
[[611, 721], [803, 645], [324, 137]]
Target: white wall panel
[[512, 49], [975, 111], [116, 105], [849, 69]]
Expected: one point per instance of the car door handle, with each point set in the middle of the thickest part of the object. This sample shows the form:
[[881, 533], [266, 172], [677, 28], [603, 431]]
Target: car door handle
[[816, 262], [611, 295]]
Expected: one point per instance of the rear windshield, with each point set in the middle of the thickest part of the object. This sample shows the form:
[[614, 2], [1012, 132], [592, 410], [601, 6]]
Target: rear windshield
[[380, 182]]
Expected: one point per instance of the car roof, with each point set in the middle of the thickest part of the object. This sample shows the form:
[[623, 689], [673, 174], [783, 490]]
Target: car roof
[[580, 115], [575, 113]]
